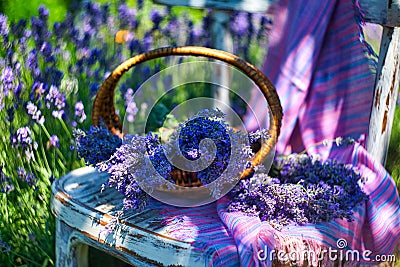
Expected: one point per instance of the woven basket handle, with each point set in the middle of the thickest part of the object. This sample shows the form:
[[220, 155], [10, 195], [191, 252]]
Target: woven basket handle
[[103, 108]]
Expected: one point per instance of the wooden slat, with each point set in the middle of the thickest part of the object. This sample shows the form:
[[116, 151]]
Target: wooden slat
[[384, 12], [253, 6], [385, 94]]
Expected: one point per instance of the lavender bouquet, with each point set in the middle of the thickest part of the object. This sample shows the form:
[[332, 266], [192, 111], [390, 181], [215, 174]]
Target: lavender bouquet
[[146, 157], [298, 189]]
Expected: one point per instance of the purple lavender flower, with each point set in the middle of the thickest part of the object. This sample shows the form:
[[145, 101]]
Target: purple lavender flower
[[156, 18], [29, 178], [18, 29], [38, 90], [5, 184], [125, 164], [57, 30], [147, 42], [240, 23], [4, 30], [47, 52], [131, 108], [80, 112], [53, 76], [131, 111], [36, 114], [127, 17], [193, 132], [32, 64], [22, 137], [305, 191], [57, 100], [43, 13], [54, 141], [96, 145], [7, 80], [40, 32], [57, 114]]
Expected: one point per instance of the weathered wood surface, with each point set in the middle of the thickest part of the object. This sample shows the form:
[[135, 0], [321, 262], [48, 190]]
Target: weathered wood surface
[[82, 212], [384, 12], [385, 94], [253, 6]]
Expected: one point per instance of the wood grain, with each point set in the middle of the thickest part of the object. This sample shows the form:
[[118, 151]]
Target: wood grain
[[141, 240], [385, 94]]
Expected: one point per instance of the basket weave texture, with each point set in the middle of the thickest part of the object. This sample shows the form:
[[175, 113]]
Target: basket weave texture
[[104, 109]]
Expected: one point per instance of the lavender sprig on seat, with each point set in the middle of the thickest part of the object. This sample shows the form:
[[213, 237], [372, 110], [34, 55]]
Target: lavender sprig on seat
[[306, 190]]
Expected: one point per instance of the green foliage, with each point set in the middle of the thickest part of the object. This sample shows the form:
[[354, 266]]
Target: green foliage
[[393, 158], [18, 9]]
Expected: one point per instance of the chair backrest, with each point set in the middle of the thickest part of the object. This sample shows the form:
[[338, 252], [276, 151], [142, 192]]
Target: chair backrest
[[387, 14]]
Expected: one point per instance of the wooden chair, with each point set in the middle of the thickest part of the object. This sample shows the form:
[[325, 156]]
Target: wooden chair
[[82, 211]]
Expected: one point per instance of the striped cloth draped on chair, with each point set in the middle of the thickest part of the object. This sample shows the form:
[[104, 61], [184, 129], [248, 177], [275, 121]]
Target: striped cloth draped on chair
[[323, 77], [374, 231]]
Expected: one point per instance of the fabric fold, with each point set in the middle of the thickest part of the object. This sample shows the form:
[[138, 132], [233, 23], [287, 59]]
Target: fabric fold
[[321, 72], [375, 230]]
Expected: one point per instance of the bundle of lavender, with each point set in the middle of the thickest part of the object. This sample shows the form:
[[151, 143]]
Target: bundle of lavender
[[298, 189]]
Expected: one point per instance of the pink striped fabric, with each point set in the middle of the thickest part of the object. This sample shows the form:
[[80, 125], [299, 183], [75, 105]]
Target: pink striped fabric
[[322, 75], [376, 227], [234, 239]]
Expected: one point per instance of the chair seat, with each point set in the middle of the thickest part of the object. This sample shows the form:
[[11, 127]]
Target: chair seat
[[141, 238]]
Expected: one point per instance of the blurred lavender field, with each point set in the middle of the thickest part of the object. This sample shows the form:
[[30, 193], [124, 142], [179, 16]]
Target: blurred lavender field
[[51, 67]]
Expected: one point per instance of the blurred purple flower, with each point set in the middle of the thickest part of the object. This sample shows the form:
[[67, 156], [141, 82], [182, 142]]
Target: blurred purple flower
[[4, 30], [53, 75], [56, 99], [38, 90], [47, 52], [22, 137], [32, 63], [57, 30], [140, 4], [36, 114], [147, 41], [54, 141], [156, 18], [29, 178], [127, 17], [57, 114], [7, 79], [131, 111], [240, 23], [21, 172], [32, 237], [43, 13], [80, 112], [5, 187], [40, 32], [18, 29], [128, 96]]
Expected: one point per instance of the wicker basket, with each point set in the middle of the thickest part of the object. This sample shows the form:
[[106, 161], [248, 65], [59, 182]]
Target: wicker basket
[[103, 108]]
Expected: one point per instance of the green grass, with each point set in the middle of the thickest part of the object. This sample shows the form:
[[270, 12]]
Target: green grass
[[393, 157]]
